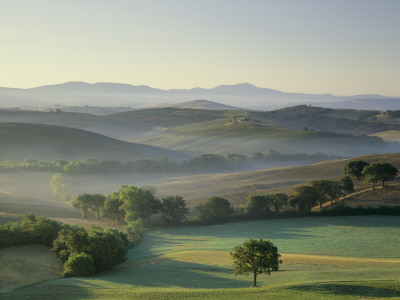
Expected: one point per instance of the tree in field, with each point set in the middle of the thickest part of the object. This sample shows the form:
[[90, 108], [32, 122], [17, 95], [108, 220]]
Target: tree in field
[[257, 206], [138, 203], [328, 189], [355, 168], [89, 203], [380, 172], [59, 188], [173, 209], [346, 185], [214, 209], [304, 198], [256, 257], [112, 207], [277, 201]]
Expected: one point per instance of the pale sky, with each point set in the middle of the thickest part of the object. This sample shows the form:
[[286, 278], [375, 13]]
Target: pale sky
[[343, 47]]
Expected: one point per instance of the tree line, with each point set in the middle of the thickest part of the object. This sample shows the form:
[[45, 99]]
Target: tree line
[[134, 204], [205, 162]]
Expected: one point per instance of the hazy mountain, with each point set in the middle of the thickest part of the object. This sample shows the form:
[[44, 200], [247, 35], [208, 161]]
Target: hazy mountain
[[116, 94], [202, 104]]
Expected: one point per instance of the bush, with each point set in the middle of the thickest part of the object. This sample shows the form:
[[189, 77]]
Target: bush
[[79, 264]]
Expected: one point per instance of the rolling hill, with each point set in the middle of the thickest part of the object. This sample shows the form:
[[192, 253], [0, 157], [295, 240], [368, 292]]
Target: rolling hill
[[201, 131], [237, 186], [47, 142], [112, 127]]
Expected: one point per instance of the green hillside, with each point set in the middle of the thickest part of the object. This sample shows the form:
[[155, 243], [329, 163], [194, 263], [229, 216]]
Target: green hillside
[[48, 142], [323, 258]]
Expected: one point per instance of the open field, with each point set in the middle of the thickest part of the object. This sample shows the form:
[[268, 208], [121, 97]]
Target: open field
[[323, 258], [24, 265]]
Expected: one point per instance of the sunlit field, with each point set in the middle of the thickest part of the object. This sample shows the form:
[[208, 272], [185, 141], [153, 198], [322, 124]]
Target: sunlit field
[[330, 258]]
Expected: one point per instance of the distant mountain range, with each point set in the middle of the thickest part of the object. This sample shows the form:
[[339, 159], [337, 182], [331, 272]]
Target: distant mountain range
[[242, 95]]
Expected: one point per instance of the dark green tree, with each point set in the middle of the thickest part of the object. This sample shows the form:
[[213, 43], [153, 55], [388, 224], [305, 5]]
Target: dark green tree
[[214, 209], [304, 198], [277, 201], [380, 172], [257, 206], [346, 185], [89, 204], [112, 207], [173, 209], [138, 203], [355, 168], [256, 257], [79, 264]]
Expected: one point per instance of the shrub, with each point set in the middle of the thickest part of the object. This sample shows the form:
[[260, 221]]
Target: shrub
[[79, 264]]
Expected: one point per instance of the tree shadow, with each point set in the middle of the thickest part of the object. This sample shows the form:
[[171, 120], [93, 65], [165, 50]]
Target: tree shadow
[[359, 290], [170, 273]]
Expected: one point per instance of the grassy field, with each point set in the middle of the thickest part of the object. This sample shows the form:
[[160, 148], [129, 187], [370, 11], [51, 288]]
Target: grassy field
[[24, 265], [323, 258]]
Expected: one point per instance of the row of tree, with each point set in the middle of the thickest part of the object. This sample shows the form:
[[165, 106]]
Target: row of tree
[[205, 162], [372, 173], [131, 203]]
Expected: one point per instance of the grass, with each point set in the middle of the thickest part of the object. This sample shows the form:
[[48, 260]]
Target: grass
[[20, 266], [324, 258]]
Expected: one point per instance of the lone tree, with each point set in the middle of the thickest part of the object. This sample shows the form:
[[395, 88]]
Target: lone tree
[[355, 168], [257, 257]]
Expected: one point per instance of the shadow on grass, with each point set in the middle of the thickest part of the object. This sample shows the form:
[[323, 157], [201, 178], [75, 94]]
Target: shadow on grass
[[384, 289], [170, 273]]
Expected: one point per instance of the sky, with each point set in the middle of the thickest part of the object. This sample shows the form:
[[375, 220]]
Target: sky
[[343, 47]]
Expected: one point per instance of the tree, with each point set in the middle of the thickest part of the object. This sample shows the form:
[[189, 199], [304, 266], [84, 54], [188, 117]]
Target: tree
[[355, 168], [112, 207], [59, 188], [89, 203], [257, 257], [257, 206], [79, 264], [380, 172], [305, 198], [214, 209], [138, 203], [278, 200], [346, 185], [173, 209]]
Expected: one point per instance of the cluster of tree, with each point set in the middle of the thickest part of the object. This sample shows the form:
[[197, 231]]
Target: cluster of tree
[[320, 191], [130, 204], [259, 206], [393, 113], [205, 162], [84, 251], [30, 230], [372, 173]]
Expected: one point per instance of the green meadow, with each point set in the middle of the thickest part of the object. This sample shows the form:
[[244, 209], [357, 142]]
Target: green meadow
[[323, 258]]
